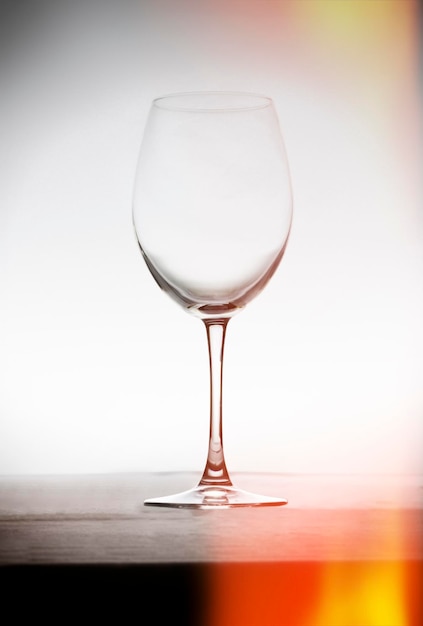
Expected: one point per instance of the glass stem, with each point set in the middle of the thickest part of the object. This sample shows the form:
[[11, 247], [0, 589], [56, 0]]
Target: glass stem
[[215, 472]]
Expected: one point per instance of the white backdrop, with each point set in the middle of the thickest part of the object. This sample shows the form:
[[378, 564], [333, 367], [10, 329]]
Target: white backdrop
[[99, 370]]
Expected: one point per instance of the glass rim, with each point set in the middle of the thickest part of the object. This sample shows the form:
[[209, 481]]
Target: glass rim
[[246, 101]]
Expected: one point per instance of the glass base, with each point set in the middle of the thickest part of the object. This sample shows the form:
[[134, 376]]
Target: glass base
[[214, 497]]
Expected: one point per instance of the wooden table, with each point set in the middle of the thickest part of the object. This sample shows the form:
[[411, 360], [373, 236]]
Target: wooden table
[[345, 551]]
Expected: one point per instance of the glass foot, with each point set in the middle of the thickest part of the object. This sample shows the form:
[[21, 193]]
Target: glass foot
[[214, 497]]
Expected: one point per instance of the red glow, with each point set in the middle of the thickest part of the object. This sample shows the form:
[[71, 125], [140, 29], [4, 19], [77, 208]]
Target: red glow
[[316, 594], [333, 567]]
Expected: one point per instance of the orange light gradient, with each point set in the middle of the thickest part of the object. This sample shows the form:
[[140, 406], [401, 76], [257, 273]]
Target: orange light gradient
[[337, 593], [341, 591]]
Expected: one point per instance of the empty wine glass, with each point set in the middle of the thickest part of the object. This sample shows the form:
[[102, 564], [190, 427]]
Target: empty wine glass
[[212, 212]]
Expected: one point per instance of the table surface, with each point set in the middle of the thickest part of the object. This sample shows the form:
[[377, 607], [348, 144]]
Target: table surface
[[101, 519]]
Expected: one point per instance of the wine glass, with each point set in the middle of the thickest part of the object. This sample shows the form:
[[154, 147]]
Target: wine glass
[[212, 213]]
